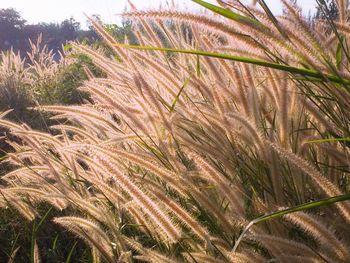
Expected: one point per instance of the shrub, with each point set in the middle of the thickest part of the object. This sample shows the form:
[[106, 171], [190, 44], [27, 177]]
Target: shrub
[[41, 77]]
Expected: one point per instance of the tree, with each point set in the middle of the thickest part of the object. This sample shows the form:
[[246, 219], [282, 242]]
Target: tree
[[69, 29], [11, 26], [11, 18]]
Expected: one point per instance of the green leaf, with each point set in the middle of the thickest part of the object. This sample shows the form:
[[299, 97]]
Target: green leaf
[[294, 70], [278, 214]]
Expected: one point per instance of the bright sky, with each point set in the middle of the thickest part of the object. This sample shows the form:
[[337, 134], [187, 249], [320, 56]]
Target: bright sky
[[35, 11]]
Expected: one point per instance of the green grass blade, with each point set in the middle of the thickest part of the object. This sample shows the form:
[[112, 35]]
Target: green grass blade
[[272, 18], [229, 14], [32, 245], [34, 234], [43, 219], [71, 252], [294, 70], [178, 94], [339, 52], [329, 140], [198, 67], [278, 214], [54, 243]]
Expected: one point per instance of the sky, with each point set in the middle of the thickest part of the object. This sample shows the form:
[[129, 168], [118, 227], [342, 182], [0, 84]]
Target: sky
[[35, 11]]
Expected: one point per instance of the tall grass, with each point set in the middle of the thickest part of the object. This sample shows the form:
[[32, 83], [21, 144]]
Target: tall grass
[[181, 149]]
